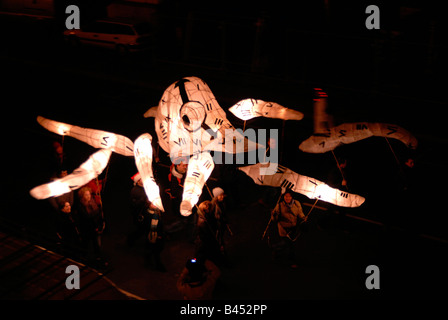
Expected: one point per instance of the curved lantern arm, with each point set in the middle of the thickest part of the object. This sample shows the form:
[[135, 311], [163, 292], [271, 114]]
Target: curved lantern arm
[[89, 170], [310, 187], [251, 108], [352, 132], [200, 166], [96, 138], [143, 161]]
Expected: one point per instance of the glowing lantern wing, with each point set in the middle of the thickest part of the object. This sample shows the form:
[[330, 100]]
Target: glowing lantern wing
[[352, 132], [96, 138], [276, 111], [315, 189], [143, 161], [244, 109], [319, 144], [395, 132], [251, 108], [233, 141], [54, 126], [104, 139], [310, 187], [151, 112], [199, 169], [80, 177]]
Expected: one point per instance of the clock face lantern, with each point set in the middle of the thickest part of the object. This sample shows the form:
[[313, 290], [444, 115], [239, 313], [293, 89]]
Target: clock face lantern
[[189, 124]]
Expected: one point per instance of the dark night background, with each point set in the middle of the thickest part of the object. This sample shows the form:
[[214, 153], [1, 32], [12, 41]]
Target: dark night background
[[272, 50]]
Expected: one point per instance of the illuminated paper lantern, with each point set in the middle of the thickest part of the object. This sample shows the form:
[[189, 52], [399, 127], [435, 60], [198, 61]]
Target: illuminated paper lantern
[[189, 123], [96, 138], [81, 176], [352, 132], [189, 120], [200, 167], [251, 108], [310, 187], [143, 161]]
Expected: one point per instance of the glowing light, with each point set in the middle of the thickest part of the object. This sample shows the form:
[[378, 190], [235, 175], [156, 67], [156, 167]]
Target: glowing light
[[80, 177], [143, 161], [52, 189], [199, 169], [96, 138], [63, 129], [346, 133], [323, 191], [251, 108], [310, 187]]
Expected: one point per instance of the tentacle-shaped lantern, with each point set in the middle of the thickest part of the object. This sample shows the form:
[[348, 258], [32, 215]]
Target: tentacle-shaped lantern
[[143, 161], [96, 138], [310, 187], [81, 176], [200, 167], [251, 108], [352, 132]]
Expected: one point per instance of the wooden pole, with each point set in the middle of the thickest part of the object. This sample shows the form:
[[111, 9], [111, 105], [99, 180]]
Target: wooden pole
[[340, 170]]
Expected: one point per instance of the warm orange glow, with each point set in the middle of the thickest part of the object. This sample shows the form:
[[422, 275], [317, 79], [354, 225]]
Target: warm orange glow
[[143, 161], [324, 192], [58, 188], [53, 189], [199, 169], [62, 129]]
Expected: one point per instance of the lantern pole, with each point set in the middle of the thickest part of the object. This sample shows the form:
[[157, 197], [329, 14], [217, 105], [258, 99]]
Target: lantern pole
[[311, 209], [270, 220], [339, 167], [208, 189], [392, 150], [62, 145]]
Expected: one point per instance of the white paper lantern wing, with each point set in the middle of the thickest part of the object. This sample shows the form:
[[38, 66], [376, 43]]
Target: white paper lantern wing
[[310, 187], [319, 144], [233, 141], [54, 126], [143, 161], [199, 169], [315, 189], [81, 176], [352, 132], [244, 109], [254, 172], [395, 132], [96, 138], [251, 108], [151, 112], [276, 111]]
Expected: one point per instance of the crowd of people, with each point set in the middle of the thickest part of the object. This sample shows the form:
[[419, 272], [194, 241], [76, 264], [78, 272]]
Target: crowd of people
[[78, 215], [80, 224], [80, 221], [205, 228]]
